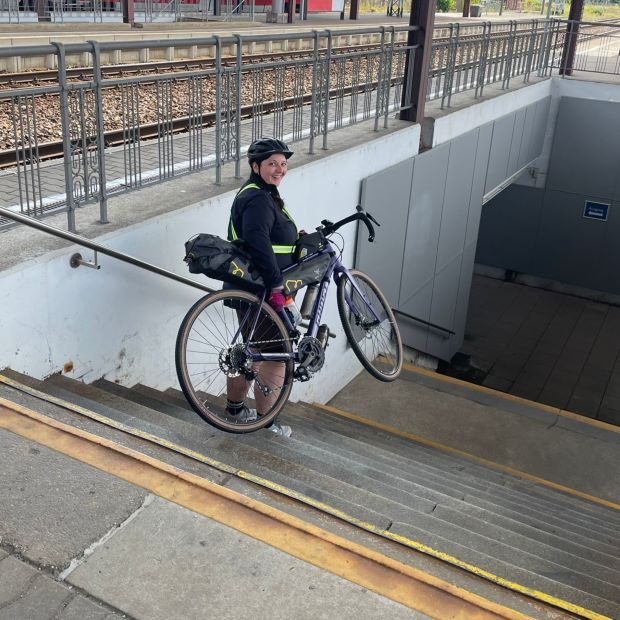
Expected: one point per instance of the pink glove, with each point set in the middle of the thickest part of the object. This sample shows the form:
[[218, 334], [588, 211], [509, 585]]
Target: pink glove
[[276, 300]]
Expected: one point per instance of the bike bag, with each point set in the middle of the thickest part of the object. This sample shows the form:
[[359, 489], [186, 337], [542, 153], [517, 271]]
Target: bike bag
[[223, 260], [304, 273], [308, 244]]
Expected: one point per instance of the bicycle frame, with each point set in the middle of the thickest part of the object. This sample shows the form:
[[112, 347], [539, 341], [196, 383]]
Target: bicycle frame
[[335, 270]]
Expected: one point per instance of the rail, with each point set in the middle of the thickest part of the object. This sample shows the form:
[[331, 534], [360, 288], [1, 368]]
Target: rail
[[76, 260]]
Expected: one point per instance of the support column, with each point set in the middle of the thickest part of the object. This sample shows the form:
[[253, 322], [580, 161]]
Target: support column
[[414, 92], [128, 12], [572, 33], [355, 9]]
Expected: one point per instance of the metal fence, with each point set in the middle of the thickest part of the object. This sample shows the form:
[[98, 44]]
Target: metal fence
[[90, 135], [586, 47], [113, 134]]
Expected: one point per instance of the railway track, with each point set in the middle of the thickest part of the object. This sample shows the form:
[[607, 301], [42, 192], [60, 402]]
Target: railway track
[[41, 77]]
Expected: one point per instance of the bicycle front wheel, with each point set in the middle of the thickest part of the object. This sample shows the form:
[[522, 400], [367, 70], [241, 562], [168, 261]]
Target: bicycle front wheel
[[370, 326], [214, 363]]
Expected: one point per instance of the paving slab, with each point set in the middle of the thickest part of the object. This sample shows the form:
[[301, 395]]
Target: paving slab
[[26, 593], [51, 519], [187, 566], [563, 353]]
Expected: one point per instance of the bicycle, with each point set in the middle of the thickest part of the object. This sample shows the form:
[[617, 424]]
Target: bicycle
[[233, 335]]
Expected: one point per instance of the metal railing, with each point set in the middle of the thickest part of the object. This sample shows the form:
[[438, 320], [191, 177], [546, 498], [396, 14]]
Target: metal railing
[[107, 134], [586, 47], [98, 248], [120, 133], [494, 52]]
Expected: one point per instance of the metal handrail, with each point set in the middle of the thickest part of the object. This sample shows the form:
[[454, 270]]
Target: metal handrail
[[98, 247]]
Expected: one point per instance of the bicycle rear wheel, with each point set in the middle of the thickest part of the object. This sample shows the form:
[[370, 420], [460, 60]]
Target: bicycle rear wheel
[[212, 358], [370, 326]]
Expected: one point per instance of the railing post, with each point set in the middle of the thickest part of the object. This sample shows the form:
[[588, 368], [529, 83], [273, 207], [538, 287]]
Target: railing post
[[388, 81], [510, 54], [66, 133], [380, 93], [313, 103], [328, 65], [421, 20], [238, 114], [484, 54], [97, 78], [531, 50], [218, 110]]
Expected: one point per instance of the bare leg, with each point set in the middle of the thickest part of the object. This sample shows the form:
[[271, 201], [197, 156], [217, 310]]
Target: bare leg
[[271, 374], [237, 388]]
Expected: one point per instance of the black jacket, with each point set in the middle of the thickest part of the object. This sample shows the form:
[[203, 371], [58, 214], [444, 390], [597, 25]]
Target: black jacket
[[258, 217]]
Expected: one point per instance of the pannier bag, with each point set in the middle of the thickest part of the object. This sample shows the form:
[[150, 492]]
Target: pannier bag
[[308, 244], [222, 260], [304, 273]]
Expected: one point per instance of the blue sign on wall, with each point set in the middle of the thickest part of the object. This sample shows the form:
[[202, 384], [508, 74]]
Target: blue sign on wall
[[596, 210]]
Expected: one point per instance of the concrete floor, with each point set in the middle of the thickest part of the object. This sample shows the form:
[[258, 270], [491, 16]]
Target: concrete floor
[[550, 347]]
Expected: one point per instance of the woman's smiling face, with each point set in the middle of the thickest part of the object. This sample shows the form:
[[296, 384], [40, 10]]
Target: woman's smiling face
[[273, 169]]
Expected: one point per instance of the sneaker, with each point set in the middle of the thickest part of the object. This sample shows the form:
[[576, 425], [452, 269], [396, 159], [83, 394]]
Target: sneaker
[[283, 430], [242, 414]]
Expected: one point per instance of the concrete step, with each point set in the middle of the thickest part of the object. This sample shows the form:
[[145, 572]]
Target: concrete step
[[486, 484], [480, 516], [241, 452], [138, 394], [394, 489], [538, 530], [381, 471]]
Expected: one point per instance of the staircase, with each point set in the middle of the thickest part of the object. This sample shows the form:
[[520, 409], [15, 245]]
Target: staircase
[[511, 531]]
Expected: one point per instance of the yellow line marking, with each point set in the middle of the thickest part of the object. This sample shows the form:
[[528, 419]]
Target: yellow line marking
[[542, 596], [354, 562], [518, 399], [471, 457]]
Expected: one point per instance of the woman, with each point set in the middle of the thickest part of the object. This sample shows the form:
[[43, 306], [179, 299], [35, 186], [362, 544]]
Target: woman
[[258, 216]]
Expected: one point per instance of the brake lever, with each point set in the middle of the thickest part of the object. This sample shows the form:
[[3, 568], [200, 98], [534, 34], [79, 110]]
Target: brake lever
[[372, 219]]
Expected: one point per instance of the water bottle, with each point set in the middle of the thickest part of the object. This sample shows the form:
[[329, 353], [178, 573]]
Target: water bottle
[[293, 311], [308, 303]]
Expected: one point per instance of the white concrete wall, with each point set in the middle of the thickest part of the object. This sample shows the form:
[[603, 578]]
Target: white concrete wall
[[121, 322], [458, 122], [558, 88]]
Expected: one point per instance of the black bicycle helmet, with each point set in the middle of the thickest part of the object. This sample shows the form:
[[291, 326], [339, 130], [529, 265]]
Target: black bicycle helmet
[[266, 147]]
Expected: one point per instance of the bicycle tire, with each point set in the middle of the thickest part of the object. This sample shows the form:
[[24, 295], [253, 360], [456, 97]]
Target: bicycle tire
[[385, 359], [210, 326]]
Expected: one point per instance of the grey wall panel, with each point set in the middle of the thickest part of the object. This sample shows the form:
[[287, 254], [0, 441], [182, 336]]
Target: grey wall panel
[[517, 139], [419, 306], [461, 163], [509, 229], [386, 195], [528, 136], [585, 158], [443, 308], [462, 298], [540, 127], [526, 149], [570, 248], [485, 134], [610, 266], [500, 152], [427, 191]]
